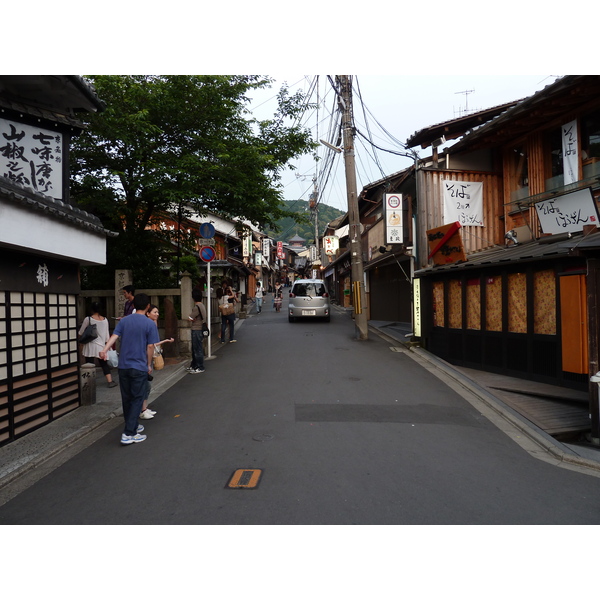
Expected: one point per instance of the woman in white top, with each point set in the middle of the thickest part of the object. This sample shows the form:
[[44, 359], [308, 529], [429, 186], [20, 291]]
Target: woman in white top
[[92, 349], [259, 297]]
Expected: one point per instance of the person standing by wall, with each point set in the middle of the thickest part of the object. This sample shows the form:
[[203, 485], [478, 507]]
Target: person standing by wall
[[228, 298], [138, 334], [259, 297], [129, 293], [91, 350], [198, 318], [152, 314]]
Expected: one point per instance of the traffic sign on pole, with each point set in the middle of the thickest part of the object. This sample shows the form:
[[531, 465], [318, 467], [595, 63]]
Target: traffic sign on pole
[[207, 253], [207, 230]]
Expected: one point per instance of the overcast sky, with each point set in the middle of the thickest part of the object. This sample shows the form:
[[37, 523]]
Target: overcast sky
[[397, 104]]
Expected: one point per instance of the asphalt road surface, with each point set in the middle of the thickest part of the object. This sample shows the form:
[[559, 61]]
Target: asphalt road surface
[[325, 429]]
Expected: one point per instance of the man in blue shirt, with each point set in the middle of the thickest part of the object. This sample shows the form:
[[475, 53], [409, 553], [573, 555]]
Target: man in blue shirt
[[138, 335]]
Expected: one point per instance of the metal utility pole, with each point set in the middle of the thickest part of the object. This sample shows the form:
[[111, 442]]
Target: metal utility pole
[[356, 259]]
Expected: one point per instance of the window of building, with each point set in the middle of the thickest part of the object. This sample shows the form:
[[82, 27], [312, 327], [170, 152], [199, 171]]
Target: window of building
[[544, 302], [517, 303], [454, 304], [438, 304], [590, 145], [493, 304], [555, 170], [519, 174], [473, 304]]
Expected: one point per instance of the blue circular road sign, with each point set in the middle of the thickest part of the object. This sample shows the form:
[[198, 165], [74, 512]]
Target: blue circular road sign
[[207, 230], [207, 253]]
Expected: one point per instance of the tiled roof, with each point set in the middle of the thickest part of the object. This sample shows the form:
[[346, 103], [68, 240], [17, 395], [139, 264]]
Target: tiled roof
[[54, 208], [544, 248]]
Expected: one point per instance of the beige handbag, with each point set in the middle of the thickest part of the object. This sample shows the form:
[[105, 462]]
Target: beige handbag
[[158, 362]]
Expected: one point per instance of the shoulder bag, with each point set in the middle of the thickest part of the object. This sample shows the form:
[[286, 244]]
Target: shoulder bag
[[158, 362], [226, 309], [89, 333]]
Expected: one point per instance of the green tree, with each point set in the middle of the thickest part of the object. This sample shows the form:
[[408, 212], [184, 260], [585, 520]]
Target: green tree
[[177, 145]]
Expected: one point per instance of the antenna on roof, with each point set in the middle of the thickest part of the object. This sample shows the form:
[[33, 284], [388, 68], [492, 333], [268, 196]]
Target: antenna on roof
[[466, 93]]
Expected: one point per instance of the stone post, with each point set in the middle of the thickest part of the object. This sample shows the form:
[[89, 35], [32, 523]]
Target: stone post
[[87, 383], [123, 277], [187, 304]]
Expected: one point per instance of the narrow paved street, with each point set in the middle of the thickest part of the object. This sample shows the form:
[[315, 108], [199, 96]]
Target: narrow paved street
[[342, 431]]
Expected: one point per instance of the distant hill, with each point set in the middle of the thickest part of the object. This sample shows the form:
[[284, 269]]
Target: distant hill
[[289, 228]]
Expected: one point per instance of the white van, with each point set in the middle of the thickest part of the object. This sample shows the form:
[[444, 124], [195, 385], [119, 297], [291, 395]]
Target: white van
[[309, 298]]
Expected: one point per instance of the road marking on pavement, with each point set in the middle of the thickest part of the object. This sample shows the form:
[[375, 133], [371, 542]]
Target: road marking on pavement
[[245, 479]]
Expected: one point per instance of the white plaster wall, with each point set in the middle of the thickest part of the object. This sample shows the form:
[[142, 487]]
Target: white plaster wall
[[34, 231]]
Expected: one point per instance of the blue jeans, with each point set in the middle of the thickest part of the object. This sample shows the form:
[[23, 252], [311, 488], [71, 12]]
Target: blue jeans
[[259, 304], [133, 384], [197, 350], [227, 320]]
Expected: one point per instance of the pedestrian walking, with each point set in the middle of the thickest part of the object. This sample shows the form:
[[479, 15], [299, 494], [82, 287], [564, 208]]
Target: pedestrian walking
[[198, 318], [278, 288], [259, 297], [91, 350], [227, 305], [152, 314], [278, 299], [138, 334]]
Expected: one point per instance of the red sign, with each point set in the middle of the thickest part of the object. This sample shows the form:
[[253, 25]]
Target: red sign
[[280, 253], [445, 244], [207, 253]]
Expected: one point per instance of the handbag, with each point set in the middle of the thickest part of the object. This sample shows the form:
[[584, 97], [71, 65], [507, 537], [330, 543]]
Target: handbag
[[205, 330], [226, 309], [89, 333], [158, 362], [112, 358]]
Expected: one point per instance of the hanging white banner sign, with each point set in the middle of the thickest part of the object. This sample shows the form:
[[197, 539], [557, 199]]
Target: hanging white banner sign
[[331, 244], [569, 150], [568, 213], [463, 202]]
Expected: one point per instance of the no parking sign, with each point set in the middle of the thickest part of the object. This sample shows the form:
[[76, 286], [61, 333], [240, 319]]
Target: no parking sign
[[207, 253]]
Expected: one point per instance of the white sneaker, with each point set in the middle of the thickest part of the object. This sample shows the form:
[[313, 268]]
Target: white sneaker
[[147, 414], [132, 439]]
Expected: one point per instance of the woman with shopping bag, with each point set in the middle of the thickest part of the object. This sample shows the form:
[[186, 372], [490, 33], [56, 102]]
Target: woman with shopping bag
[[91, 349], [227, 309]]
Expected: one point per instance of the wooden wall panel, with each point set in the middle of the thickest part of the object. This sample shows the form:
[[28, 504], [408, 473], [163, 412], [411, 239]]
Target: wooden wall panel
[[431, 206]]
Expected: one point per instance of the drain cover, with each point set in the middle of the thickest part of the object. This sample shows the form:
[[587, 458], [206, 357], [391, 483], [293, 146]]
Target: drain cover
[[246, 479]]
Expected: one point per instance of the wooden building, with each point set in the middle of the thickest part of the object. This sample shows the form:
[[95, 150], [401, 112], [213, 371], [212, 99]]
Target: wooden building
[[43, 241], [524, 187]]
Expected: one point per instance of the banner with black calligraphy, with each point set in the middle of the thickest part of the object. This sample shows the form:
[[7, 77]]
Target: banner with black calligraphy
[[568, 213], [569, 150], [463, 202], [32, 157]]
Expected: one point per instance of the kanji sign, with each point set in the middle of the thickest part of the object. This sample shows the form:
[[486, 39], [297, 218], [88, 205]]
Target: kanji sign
[[32, 156], [393, 219], [445, 244]]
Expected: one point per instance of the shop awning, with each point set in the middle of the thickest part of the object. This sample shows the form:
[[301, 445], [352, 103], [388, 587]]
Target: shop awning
[[543, 249]]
